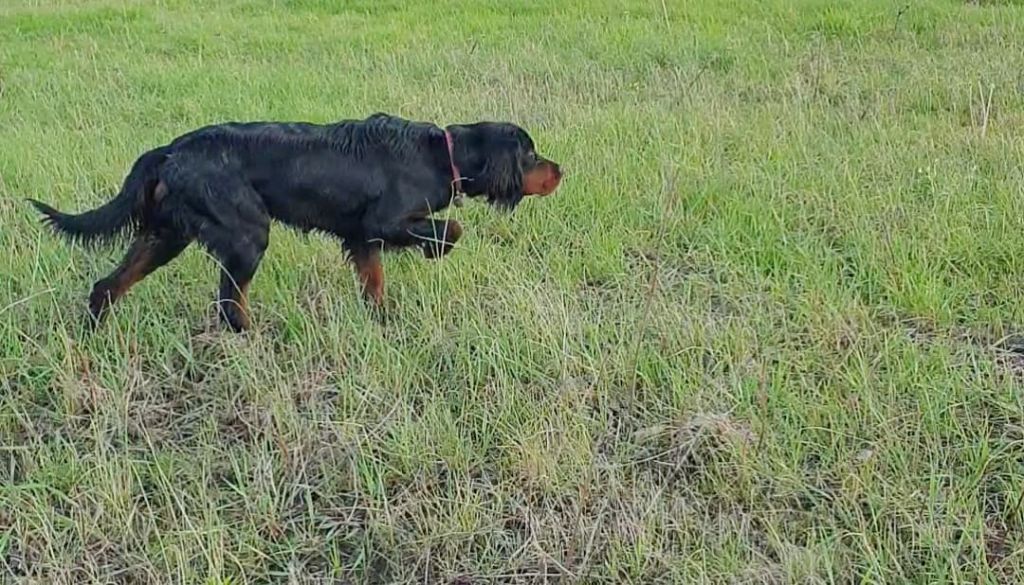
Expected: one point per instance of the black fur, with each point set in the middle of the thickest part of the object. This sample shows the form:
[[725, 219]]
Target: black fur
[[116, 215], [371, 183]]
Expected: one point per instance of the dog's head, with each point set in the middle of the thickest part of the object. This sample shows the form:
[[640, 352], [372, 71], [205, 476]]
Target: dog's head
[[499, 160]]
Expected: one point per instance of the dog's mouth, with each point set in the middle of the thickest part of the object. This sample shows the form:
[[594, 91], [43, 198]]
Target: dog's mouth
[[543, 180]]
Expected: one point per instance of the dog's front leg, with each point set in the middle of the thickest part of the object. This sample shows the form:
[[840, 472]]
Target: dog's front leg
[[366, 260], [435, 237]]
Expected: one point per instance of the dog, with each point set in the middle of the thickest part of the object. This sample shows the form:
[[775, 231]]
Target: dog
[[372, 183]]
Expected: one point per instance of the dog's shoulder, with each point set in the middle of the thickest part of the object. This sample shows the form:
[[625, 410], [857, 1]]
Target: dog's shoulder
[[390, 121], [384, 134]]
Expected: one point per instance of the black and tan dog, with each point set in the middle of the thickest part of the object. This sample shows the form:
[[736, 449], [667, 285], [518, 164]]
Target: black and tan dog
[[373, 183]]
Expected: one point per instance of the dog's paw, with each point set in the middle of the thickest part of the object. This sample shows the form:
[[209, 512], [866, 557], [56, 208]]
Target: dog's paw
[[435, 250]]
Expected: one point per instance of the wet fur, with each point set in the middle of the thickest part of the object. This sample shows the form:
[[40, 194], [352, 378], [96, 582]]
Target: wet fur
[[372, 183]]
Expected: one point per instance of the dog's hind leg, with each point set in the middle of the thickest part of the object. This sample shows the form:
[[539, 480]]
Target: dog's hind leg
[[228, 217], [239, 252], [148, 251], [238, 265]]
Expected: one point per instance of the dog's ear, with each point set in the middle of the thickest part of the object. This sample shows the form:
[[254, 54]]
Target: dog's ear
[[503, 176]]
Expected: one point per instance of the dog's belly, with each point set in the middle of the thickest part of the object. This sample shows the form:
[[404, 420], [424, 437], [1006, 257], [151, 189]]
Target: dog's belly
[[308, 210]]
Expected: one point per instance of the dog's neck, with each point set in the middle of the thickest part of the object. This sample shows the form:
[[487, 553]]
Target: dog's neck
[[456, 175]]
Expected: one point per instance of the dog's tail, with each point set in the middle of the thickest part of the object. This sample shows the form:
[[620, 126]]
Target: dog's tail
[[120, 213]]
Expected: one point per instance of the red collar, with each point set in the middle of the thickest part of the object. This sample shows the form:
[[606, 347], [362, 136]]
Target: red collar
[[456, 175]]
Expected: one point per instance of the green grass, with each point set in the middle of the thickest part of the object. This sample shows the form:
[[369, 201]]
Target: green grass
[[759, 336]]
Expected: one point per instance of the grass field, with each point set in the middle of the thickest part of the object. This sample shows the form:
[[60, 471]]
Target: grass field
[[765, 333]]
